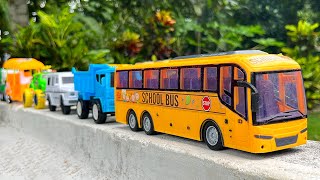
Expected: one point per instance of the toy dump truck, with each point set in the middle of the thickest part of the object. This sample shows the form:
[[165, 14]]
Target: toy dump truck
[[19, 79], [60, 91], [96, 91]]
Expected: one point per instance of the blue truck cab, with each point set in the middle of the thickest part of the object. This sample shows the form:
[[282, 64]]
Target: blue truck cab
[[95, 89]]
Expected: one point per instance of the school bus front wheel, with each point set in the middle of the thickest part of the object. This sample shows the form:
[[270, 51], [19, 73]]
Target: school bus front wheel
[[212, 136]]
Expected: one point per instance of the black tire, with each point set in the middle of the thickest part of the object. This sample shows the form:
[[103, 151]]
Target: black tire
[[82, 109], [147, 124], [133, 121], [35, 99], [3, 97], [8, 99], [98, 116], [65, 109], [212, 136], [51, 107]]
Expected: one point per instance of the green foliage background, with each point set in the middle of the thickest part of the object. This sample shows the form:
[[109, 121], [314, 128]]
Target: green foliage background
[[67, 33]]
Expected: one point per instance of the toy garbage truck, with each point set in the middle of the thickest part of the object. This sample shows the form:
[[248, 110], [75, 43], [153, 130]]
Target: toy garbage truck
[[20, 76], [96, 91], [60, 91]]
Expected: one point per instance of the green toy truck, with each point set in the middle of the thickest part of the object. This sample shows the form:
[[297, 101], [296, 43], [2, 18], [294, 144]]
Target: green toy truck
[[36, 92]]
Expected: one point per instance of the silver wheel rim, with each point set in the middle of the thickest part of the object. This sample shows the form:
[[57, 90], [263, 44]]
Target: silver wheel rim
[[132, 121], [212, 135], [79, 109], [146, 123], [95, 112]]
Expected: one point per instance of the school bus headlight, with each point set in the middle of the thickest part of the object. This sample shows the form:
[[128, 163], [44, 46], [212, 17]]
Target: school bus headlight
[[263, 137]]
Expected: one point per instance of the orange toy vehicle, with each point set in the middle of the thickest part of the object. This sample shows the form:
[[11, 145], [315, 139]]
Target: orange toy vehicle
[[20, 77]]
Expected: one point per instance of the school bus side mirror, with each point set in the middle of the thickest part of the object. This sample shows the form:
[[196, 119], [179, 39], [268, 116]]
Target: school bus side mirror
[[254, 94]]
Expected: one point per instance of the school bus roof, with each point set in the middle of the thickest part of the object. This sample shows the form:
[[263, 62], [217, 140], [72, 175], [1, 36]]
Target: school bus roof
[[254, 61], [23, 64], [119, 65]]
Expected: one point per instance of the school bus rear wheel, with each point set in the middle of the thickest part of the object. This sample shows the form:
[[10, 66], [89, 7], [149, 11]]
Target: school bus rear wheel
[[132, 121], [147, 124], [212, 136]]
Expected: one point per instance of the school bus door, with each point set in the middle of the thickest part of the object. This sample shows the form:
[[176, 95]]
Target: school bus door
[[235, 99]]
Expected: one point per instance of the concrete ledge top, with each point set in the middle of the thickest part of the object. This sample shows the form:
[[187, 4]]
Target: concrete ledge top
[[302, 162]]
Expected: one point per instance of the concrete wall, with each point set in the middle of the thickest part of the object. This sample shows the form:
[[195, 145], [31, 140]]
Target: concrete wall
[[117, 152]]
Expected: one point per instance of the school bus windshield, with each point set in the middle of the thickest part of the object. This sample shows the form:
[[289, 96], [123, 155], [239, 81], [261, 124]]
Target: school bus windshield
[[281, 97]]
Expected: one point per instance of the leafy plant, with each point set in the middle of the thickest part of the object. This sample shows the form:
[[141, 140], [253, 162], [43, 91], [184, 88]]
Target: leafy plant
[[304, 48], [127, 47], [61, 40], [160, 35], [5, 29]]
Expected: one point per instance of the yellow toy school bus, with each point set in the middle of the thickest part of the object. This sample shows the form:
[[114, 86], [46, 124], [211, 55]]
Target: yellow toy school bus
[[246, 100]]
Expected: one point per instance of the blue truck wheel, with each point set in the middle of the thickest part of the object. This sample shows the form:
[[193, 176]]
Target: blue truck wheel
[[99, 117], [82, 109]]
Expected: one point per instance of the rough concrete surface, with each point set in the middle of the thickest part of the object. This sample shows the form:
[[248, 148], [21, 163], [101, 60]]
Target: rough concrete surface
[[113, 151], [24, 157]]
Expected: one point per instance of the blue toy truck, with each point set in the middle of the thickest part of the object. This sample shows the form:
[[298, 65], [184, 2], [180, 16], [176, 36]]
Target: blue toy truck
[[96, 91]]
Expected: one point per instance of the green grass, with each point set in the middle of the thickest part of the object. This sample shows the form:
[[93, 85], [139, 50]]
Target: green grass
[[314, 126]]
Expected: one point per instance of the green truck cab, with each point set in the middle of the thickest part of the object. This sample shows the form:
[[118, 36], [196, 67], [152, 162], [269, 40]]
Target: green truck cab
[[38, 82]]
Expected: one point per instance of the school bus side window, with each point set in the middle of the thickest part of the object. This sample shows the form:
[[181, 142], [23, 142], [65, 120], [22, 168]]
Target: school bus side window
[[225, 84], [240, 97], [122, 79], [190, 79], [210, 79], [151, 79], [169, 79], [135, 79]]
